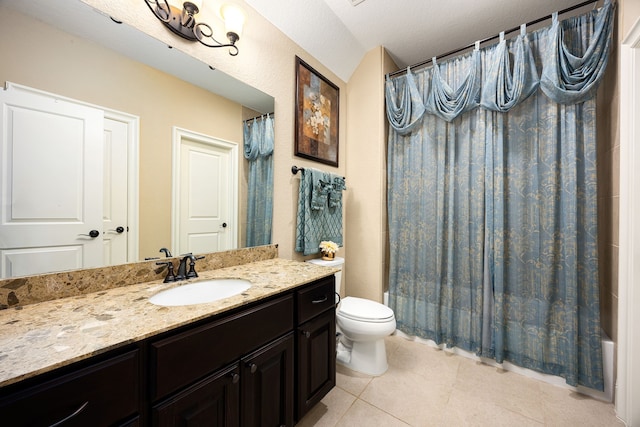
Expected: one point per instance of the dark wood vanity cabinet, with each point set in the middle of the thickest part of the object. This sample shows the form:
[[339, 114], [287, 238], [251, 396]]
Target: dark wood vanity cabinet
[[264, 364], [316, 347], [281, 352], [247, 360], [104, 393]]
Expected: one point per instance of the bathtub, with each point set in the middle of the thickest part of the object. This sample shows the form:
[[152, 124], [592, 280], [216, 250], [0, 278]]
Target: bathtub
[[607, 364]]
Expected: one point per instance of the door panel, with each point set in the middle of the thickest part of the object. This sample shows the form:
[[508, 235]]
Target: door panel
[[115, 224], [49, 206], [205, 198], [27, 261]]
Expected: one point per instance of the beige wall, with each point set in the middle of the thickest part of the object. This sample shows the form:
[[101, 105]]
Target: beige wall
[[629, 11], [366, 200], [53, 61]]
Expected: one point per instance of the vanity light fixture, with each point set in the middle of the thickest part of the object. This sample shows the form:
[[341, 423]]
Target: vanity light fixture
[[183, 22]]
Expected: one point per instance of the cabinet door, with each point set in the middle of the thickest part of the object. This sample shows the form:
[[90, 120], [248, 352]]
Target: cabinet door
[[214, 401], [316, 360], [267, 385]]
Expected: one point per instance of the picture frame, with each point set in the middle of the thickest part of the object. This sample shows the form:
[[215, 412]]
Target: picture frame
[[316, 112]]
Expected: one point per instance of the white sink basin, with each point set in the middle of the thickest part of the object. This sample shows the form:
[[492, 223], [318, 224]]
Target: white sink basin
[[200, 292]]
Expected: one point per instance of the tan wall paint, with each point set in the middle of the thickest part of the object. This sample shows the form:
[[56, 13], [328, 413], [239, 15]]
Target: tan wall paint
[[366, 257], [50, 60], [366, 180], [266, 62], [629, 14]]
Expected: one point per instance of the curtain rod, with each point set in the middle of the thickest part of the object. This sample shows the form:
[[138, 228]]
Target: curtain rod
[[257, 117], [453, 52]]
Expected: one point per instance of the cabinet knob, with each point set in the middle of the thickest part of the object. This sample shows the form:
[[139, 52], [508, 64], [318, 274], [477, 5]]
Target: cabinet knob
[[306, 334], [235, 378], [253, 367]]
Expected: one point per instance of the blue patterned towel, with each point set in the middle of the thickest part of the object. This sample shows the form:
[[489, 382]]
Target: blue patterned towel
[[319, 210]]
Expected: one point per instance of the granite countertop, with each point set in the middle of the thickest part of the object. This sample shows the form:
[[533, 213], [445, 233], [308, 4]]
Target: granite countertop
[[38, 338]]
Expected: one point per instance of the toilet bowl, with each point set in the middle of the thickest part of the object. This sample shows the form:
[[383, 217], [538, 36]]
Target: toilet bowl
[[362, 325]]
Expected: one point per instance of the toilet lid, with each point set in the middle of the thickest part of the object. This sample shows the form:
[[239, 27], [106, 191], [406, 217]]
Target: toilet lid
[[364, 309]]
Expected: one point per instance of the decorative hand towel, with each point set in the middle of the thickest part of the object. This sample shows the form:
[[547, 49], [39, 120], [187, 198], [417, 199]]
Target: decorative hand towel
[[319, 210], [320, 188], [335, 196]]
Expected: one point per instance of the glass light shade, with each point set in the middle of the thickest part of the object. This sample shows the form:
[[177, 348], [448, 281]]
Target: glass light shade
[[233, 18]]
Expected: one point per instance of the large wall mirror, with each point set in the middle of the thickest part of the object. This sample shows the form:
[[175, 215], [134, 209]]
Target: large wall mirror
[[65, 47]]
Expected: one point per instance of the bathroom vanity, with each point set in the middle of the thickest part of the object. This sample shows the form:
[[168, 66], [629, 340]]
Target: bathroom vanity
[[261, 358]]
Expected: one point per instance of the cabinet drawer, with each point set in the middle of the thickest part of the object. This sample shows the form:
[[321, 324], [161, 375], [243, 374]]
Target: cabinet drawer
[[181, 359], [98, 395], [315, 299]]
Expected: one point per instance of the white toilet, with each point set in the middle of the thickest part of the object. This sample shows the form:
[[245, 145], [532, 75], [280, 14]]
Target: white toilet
[[363, 324]]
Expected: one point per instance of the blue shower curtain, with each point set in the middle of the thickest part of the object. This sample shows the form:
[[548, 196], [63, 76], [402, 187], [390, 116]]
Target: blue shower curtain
[[492, 199], [258, 150]]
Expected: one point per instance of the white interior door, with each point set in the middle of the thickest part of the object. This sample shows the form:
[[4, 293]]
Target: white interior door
[[205, 193], [115, 187], [51, 175]]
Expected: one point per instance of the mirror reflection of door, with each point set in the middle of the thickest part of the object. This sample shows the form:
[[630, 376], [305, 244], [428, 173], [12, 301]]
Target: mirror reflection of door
[[205, 193], [62, 174], [114, 206]]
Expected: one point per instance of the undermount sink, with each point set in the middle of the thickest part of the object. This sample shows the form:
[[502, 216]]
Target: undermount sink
[[200, 292]]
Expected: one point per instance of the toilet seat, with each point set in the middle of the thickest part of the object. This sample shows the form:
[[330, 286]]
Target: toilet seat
[[364, 310]]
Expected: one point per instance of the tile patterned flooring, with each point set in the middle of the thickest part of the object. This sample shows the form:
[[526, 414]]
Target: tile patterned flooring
[[425, 386]]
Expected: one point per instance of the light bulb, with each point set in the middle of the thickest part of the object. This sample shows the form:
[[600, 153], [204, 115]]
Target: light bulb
[[233, 19]]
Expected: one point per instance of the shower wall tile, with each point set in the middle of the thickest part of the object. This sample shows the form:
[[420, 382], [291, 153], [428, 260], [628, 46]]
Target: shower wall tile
[[615, 257], [613, 334], [615, 220], [606, 311]]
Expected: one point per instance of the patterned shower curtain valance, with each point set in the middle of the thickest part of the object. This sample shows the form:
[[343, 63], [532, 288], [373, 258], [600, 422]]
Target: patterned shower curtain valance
[[448, 103], [494, 83], [503, 90]]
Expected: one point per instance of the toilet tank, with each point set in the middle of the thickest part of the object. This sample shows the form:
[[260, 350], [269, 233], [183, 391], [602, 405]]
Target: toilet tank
[[337, 262]]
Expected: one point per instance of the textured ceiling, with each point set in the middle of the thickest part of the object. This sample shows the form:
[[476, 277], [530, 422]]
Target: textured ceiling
[[338, 34]]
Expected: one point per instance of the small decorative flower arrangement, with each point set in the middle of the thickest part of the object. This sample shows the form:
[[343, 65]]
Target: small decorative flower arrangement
[[328, 249]]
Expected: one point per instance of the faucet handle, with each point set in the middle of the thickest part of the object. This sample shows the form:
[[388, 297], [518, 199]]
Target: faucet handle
[[170, 277], [192, 266]]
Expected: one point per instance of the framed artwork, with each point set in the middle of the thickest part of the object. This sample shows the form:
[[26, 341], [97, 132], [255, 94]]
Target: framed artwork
[[317, 103]]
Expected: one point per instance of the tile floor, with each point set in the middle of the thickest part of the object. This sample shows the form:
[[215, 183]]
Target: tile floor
[[428, 387]]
